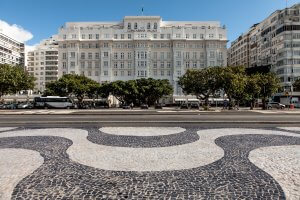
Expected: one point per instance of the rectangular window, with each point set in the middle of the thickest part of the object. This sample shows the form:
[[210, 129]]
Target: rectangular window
[[162, 64], [105, 63], [129, 64], [122, 55], [155, 36], [97, 64], [169, 36], [97, 36], [72, 54], [64, 65], [105, 54], [115, 55], [194, 36], [97, 56], [72, 64], [169, 64], [129, 36], [162, 73], [122, 36], [89, 73], [129, 55], [90, 56], [162, 55], [90, 36], [105, 73], [154, 73], [115, 36], [115, 73], [64, 55], [212, 54], [178, 63], [129, 73], [96, 73], [162, 36], [89, 64], [82, 36], [82, 64], [115, 65], [194, 64]]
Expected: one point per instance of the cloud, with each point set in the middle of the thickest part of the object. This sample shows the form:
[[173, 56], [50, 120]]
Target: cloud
[[15, 31]]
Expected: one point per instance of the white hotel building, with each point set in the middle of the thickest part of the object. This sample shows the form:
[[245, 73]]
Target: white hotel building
[[140, 47]]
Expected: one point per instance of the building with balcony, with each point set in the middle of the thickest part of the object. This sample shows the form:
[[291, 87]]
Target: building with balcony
[[43, 63], [11, 51], [140, 47], [274, 42]]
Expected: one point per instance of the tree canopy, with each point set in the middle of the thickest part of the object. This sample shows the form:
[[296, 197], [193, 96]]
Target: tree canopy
[[14, 79], [233, 81], [73, 85], [141, 91]]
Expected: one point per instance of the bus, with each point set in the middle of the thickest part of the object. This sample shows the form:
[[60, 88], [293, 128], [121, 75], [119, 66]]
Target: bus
[[53, 102]]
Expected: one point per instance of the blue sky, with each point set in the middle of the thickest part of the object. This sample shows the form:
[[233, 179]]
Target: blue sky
[[42, 18]]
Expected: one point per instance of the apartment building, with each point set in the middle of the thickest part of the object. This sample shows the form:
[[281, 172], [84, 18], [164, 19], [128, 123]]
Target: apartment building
[[273, 42], [140, 47], [43, 63], [11, 51]]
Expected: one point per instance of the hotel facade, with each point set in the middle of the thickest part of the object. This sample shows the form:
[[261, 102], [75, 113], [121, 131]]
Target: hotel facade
[[11, 51], [140, 47], [274, 42], [42, 63]]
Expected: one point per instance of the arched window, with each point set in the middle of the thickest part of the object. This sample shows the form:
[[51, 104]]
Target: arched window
[[129, 25], [135, 26], [155, 25], [148, 26]]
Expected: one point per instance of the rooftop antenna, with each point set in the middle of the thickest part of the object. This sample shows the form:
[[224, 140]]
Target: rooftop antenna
[[286, 3], [142, 10]]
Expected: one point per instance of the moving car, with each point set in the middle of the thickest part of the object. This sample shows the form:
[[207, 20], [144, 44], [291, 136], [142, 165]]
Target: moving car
[[277, 105]]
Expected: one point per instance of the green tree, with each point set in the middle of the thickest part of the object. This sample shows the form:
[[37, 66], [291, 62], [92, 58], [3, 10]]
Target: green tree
[[72, 85], [253, 89], [151, 90], [269, 84], [13, 79], [234, 81], [296, 85], [124, 91], [201, 83]]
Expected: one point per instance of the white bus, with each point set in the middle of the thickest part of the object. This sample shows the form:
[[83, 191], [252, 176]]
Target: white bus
[[53, 102]]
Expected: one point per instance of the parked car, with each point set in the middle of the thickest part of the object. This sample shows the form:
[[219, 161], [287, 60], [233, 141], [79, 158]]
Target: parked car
[[158, 106], [184, 106], [144, 106], [126, 106], [195, 105], [277, 105], [11, 106], [25, 106]]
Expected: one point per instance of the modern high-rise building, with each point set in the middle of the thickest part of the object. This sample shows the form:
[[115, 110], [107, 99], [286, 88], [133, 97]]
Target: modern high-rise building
[[11, 51], [274, 42], [42, 63], [140, 47]]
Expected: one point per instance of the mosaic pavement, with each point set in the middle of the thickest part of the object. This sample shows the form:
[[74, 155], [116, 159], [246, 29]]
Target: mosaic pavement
[[150, 163]]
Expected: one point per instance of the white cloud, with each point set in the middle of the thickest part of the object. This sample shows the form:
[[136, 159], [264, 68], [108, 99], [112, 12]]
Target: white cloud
[[15, 31]]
